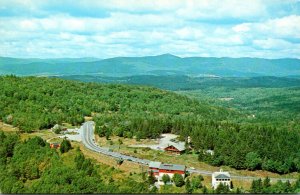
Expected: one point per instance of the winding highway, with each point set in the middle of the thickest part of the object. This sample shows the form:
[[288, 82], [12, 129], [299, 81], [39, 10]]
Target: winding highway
[[88, 139]]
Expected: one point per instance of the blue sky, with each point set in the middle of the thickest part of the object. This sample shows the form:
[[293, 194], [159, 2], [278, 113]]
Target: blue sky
[[104, 29]]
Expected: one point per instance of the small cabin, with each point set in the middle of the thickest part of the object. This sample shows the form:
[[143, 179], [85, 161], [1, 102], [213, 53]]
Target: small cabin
[[54, 145], [175, 149]]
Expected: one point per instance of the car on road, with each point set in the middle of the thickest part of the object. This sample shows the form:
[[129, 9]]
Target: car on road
[[192, 168]]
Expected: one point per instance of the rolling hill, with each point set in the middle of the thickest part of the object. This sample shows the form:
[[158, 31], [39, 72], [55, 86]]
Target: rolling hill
[[182, 82], [161, 65]]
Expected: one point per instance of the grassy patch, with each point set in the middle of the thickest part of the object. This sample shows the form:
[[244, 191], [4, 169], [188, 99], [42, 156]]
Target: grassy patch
[[8, 128], [171, 189], [125, 141], [123, 170]]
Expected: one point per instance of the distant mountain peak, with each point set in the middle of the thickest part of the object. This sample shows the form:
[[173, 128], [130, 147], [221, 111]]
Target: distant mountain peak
[[168, 55]]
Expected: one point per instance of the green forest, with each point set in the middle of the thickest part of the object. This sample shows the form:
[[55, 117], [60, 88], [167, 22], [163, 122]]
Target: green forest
[[144, 112], [30, 166], [273, 100], [275, 106]]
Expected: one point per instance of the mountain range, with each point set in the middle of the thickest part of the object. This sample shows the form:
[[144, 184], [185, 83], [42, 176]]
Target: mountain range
[[160, 65]]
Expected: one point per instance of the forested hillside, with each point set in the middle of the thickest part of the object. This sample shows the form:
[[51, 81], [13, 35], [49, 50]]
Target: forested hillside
[[33, 103], [165, 64], [133, 111], [32, 167], [182, 82], [272, 100], [278, 106]]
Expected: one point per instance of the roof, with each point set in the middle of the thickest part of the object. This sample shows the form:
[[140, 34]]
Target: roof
[[154, 164], [154, 171], [172, 167], [56, 126], [55, 143], [221, 175], [180, 146]]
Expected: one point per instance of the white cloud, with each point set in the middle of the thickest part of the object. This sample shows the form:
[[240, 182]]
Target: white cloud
[[133, 27], [276, 44], [241, 28], [279, 27], [189, 33], [203, 9], [286, 26]]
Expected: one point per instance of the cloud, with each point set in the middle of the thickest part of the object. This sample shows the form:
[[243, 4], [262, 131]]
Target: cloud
[[233, 28]]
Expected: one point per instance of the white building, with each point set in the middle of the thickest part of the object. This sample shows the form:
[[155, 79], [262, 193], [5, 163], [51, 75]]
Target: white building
[[220, 177]]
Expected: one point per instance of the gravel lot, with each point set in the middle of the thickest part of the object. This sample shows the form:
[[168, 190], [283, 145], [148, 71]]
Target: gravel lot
[[75, 136], [164, 141]]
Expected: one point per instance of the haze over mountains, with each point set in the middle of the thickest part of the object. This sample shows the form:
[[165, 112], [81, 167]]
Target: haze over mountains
[[161, 65]]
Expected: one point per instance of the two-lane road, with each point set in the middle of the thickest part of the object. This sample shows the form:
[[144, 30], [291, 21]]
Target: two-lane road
[[88, 139]]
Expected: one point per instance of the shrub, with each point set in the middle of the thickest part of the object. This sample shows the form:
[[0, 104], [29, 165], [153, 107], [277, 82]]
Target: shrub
[[178, 180], [166, 178]]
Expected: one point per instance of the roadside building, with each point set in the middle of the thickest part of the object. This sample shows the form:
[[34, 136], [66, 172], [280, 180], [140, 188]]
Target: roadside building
[[170, 169], [54, 145], [159, 169], [176, 148], [154, 167], [220, 177]]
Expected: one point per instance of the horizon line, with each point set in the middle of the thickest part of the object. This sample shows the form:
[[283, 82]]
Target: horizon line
[[164, 54]]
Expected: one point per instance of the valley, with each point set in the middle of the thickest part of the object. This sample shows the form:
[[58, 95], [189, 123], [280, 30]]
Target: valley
[[149, 97], [198, 113]]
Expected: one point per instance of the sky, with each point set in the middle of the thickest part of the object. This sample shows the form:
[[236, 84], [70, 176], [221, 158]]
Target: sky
[[105, 29]]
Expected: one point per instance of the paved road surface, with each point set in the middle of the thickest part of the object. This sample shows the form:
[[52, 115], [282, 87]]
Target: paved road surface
[[88, 140], [88, 137]]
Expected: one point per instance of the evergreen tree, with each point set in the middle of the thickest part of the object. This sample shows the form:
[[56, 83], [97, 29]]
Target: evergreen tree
[[188, 187], [256, 186], [296, 186], [288, 187], [178, 180], [153, 190], [238, 191], [166, 178], [266, 185], [196, 182], [222, 189], [151, 178], [253, 161], [65, 146]]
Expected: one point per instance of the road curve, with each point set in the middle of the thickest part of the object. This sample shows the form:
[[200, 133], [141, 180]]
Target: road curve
[[88, 140], [88, 137]]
